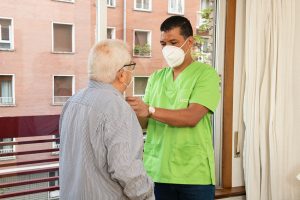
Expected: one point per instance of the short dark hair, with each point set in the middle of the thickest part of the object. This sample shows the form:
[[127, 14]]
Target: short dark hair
[[183, 23]]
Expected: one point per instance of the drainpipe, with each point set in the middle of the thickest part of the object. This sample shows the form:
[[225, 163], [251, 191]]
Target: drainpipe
[[101, 20], [124, 21]]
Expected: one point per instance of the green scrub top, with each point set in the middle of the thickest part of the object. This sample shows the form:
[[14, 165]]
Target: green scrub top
[[181, 155]]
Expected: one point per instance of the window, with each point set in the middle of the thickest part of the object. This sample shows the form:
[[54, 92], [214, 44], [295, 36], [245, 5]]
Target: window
[[111, 3], [144, 5], [142, 46], [6, 34], [176, 7], [63, 89], [55, 144], [139, 85], [7, 90], [7, 149], [111, 33], [54, 195], [63, 38]]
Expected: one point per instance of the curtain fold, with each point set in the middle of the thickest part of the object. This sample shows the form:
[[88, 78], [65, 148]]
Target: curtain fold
[[267, 106]]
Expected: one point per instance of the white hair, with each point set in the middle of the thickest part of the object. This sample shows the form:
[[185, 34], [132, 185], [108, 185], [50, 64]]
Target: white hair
[[105, 59]]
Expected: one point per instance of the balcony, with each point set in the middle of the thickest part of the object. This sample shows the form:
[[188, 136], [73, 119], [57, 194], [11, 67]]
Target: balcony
[[6, 101], [33, 173]]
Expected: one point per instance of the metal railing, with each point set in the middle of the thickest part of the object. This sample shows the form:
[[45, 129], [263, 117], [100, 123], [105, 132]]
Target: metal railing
[[60, 99], [6, 100], [30, 172]]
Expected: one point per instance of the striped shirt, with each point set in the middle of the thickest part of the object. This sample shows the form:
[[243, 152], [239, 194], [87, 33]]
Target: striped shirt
[[101, 145]]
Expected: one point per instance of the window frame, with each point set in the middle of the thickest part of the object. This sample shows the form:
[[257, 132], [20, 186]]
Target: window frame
[[142, 9], [65, 1], [114, 31], [73, 38], [13, 91], [149, 42], [111, 6], [3, 158], [55, 144], [133, 85], [11, 36], [53, 85], [56, 173], [177, 13]]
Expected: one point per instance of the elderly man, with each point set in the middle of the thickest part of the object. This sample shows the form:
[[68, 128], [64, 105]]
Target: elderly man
[[101, 139]]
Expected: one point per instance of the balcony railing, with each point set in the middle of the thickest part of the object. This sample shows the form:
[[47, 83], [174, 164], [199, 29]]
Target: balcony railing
[[6, 100], [29, 173], [60, 99]]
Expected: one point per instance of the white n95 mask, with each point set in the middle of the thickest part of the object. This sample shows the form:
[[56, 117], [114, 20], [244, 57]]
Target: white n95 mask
[[174, 56]]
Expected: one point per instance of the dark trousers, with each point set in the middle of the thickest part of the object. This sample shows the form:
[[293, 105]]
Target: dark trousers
[[164, 191]]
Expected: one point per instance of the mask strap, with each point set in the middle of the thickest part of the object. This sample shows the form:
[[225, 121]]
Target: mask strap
[[184, 43]]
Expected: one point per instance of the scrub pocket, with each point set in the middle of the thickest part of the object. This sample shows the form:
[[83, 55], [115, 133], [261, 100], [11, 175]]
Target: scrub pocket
[[188, 161]]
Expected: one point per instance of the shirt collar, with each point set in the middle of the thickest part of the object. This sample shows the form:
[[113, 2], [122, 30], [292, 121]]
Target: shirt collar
[[105, 86]]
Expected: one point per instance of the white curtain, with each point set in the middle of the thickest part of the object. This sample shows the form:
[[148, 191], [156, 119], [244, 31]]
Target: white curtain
[[268, 106], [6, 92]]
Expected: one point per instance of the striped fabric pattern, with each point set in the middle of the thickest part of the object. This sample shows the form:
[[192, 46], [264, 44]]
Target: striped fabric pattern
[[101, 148]]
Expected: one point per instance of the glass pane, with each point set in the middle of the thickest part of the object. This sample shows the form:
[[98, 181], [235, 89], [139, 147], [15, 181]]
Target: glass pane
[[5, 28], [62, 37], [139, 4], [140, 84], [62, 88], [146, 4], [141, 38], [6, 89], [5, 45], [63, 85], [5, 33], [109, 33]]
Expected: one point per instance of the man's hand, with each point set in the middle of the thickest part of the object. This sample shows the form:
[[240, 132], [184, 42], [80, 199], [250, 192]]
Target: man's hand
[[139, 107]]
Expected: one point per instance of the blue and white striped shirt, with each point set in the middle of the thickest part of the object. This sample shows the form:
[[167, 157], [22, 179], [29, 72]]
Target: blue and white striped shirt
[[101, 146]]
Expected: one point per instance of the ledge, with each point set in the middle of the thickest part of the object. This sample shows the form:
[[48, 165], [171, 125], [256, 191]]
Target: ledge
[[229, 192]]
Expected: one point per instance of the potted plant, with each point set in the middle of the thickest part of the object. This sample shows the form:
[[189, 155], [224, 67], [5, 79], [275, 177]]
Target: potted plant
[[205, 13], [137, 49], [145, 50]]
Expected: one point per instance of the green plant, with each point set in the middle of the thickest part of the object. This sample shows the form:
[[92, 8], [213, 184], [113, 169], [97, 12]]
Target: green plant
[[198, 39], [145, 50], [142, 50], [205, 13], [137, 49], [205, 27]]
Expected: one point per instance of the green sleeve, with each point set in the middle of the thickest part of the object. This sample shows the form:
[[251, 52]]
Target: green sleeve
[[207, 90]]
